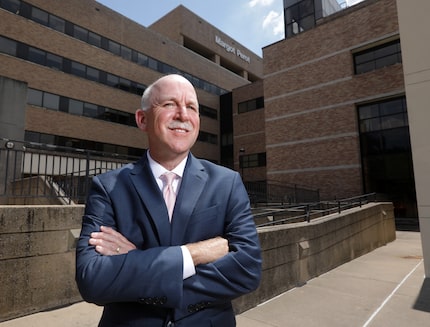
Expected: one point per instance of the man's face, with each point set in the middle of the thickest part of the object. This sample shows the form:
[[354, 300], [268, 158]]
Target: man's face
[[173, 122]]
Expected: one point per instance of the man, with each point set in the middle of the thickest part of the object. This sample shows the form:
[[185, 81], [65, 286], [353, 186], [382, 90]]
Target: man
[[151, 268]]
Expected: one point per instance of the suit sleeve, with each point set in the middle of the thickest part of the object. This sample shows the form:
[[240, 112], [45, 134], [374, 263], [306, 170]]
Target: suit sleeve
[[151, 276], [237, 273]]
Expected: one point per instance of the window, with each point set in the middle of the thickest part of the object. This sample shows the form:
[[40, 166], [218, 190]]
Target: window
[[76, 107], [7, 46], [37, 56], [39, 16], [51, 101], [80, 33], [208, 112], [252, 160], [78, 69], [11, 5], [57, 23], [54, 61], [114, 47], [34, 97], [94, 39], [299, 17], [93, 74], [250, 105], [377, 57]]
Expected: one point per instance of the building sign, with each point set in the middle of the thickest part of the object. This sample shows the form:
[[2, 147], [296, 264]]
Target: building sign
[[232, 49]]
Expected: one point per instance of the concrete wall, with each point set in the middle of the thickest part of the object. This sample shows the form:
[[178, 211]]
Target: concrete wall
[[414, 33], [37, 256]]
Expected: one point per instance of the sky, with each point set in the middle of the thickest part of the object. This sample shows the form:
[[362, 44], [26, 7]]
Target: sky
[[253, 23]]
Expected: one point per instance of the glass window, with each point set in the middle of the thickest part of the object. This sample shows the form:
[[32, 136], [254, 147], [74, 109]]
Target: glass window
[[92, 110], [125, 52], [54, 61], [153, 64], [11, 5], [40, 16], [80, 33], [76, 107], [142, 59], [114, 47], [37, 56], [112, 80], [7, 46], [78, 69], [93, 74], [51, 101], [94, 39], [34, 97], [377, 57], [57, 23]]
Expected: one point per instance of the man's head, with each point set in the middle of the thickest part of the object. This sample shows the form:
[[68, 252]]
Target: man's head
[[170, 117]]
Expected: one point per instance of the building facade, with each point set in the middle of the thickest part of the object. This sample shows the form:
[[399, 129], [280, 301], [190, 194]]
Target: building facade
[[335, 106], [86, 66]]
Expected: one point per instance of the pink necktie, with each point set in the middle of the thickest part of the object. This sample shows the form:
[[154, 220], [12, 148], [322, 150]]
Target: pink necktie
[[168, 193]]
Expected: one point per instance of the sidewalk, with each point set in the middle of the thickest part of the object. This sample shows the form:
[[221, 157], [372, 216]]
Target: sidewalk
[[383, 288]]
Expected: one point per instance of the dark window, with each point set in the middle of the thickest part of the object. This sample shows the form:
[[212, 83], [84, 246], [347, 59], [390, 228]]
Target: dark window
[[57, 23], [94, 39], [208, 112], [37, 56], [11, 5], [299, 17], [7, 46], [80, 33], [377, 57], [114, 47], [252, 160], [250, 105], [76, 107], [51, 101], [126, 53], [34, 97], [93, 74], [78, 69], [208, 137], [40, 16], [54, 61]]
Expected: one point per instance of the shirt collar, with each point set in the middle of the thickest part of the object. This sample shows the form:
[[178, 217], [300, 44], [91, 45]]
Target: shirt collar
[[158, 170]]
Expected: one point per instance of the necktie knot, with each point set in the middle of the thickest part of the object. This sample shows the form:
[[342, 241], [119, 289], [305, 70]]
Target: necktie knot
[[168, 193]]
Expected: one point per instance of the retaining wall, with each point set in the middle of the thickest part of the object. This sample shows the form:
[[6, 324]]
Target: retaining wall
[[37, 253]]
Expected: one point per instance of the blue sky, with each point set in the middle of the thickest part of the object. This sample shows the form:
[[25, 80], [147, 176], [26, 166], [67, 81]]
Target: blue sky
[[253, 23]]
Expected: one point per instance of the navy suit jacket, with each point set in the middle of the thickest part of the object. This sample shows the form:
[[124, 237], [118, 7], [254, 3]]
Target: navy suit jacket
[[145, 287]]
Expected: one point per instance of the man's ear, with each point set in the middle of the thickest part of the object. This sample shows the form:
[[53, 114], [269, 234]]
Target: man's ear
[[141, 120]]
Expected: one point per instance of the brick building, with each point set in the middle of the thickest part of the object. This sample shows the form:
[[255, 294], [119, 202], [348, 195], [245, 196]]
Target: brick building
[[86, 66], [334, 104]]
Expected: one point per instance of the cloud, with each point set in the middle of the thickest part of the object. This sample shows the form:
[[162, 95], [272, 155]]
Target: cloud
[[263, 3], [275, 22]]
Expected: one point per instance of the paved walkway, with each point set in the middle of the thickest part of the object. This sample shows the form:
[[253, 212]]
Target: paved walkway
[[383, 288]]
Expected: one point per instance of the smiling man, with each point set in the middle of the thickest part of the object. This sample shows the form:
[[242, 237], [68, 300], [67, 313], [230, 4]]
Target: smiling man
[[151, 262]]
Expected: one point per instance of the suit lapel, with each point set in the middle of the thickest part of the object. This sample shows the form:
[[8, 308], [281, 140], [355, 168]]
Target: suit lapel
[[147, 188], [192, 185]]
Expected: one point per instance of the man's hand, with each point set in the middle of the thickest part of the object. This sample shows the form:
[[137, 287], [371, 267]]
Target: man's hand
[[110, 242], [208, 251]]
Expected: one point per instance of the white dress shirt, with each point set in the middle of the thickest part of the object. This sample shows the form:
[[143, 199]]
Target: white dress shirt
[[158, 170]]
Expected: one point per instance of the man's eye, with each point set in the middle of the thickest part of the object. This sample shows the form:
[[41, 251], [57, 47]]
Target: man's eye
[[169, 105]]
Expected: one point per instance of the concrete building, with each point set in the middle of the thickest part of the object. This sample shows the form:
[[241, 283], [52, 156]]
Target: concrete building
[[84, 68]]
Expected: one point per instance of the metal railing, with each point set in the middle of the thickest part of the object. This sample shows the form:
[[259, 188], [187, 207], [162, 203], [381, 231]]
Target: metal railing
[[53, 173], [308, 211]]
